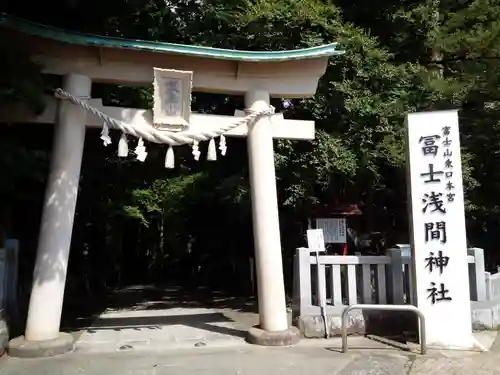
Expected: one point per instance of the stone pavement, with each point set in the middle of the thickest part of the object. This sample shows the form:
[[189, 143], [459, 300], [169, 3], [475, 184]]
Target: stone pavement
[[460, 363], [481, 365], [152, 318], [164, 331], [311, 357], [159, 330]]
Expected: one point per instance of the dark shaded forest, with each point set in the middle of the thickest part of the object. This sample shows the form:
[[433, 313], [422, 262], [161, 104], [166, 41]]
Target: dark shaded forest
[[139, 222]]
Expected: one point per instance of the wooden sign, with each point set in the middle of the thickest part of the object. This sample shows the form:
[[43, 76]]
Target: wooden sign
[[334, 229], [172, 99]]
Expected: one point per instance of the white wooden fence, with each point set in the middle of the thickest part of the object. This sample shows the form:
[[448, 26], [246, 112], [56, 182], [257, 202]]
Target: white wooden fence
[[492, 286], [347, 280]]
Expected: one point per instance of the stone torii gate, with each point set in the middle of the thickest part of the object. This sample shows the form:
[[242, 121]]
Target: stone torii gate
[[83, 59]]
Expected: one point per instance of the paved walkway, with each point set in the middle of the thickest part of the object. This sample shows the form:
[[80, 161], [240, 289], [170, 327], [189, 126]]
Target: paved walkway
[[149, 318], [458, 363], [161, 330], [155, 332], [309, 357]]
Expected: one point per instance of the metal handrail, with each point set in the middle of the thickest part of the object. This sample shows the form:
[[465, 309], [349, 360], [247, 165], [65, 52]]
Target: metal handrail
[[411, 308]]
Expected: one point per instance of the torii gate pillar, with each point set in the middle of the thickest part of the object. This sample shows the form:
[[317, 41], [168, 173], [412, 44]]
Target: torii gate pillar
[[273, 329], [49, 276]]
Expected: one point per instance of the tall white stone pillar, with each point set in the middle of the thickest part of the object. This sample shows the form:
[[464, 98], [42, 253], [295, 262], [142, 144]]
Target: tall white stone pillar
[[49, 277], [273, 328]]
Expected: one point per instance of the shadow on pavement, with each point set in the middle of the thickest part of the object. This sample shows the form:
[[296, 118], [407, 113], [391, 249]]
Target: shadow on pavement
[[200, 321], [87, 315]]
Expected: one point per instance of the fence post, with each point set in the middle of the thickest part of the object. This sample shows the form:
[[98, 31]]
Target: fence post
[[4, 331], [302, 293], [479, 274], [487, 281], [396, 276], [3, 281], [321, 284]]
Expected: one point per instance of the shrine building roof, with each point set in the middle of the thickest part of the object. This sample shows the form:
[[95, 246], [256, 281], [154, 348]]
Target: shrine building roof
[[75, 38], [110, 60]]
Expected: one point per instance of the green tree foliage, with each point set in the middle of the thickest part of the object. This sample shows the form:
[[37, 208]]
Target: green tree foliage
[[21, 80], [460, 40], [401, 56]]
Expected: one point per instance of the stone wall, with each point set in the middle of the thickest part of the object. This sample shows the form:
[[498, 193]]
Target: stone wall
[[382, 323]]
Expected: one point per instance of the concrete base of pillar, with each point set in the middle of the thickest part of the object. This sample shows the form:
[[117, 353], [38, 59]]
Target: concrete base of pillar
[[21, 348], [288, 337]]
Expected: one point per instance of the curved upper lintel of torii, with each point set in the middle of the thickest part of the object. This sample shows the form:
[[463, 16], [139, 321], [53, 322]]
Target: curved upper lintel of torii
[[286, 74]]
